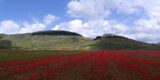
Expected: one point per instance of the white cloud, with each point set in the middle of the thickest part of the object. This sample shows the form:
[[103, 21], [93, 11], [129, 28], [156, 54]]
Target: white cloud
[[93, 14], [9, 27], [92, 28], [12, 27], [87, 8], [48, 19], [101, 8], [148, 28], [93, 18], [33, 27]]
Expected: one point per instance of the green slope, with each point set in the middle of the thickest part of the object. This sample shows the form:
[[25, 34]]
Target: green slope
[[48, 42], [122, 43], [6, 55], [63, 40]]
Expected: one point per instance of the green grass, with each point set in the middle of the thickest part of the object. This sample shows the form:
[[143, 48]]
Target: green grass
[[46, 42], [120, 43], [54, 42], [23, 54]]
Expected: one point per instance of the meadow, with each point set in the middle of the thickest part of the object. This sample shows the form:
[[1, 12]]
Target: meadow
[[80, 65]]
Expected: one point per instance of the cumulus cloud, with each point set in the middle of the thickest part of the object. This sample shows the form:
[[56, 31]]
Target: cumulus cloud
[[32, 27], [12, 27], [92, 18], [48, 19], [9, 27], [87, 9], [92, 28], [101, 8], [148, 28]]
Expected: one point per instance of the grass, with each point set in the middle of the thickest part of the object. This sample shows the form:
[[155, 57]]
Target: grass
[[54, 42], [46, 42], [120, 43], [20, 54]]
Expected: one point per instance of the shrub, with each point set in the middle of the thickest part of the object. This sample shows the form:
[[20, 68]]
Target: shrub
[[5, 44]]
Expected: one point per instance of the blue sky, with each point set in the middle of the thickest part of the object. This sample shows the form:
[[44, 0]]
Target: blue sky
[[136, 19], [26, 9]]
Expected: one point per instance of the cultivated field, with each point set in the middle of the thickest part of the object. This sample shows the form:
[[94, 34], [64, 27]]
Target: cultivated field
[[80, 65]]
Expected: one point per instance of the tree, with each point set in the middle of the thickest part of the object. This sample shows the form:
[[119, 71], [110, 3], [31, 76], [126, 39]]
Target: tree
[[5, 44]]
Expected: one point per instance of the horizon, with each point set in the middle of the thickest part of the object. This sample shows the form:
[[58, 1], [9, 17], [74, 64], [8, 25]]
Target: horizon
[[79, 34], [135, 19]]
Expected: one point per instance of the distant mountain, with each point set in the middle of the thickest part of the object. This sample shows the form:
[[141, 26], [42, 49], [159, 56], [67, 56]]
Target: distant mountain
[[115, 42]]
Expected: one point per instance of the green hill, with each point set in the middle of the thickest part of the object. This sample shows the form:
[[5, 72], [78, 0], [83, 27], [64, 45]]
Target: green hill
[[51, 40], [115, 42], [65, 40]]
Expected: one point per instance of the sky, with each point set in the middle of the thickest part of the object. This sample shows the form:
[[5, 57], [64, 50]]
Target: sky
[[136, 19]]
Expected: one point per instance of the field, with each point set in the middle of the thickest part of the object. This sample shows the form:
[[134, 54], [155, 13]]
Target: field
[[47, 42], [80, 65]]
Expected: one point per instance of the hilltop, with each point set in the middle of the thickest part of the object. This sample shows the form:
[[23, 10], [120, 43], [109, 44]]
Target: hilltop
[[116, 42], [56, 32]]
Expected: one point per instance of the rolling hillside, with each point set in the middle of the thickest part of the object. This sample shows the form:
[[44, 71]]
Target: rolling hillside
[[50, 40], [64, 40], [115, 42]]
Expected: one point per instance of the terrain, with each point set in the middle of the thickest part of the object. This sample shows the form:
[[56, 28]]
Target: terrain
[[65, 40], [64, 55], [48, 40], [115, 42], [84, 65]]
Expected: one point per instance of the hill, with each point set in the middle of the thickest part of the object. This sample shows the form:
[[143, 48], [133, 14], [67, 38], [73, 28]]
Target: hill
[[65, 40], [158, 43], [48, 40], [115, 42]]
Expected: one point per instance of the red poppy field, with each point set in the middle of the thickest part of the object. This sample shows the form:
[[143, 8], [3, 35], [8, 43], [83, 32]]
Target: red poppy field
[[84, 65]]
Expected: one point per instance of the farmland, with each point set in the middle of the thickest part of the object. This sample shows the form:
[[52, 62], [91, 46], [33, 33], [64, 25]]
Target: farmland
[[80, 65]]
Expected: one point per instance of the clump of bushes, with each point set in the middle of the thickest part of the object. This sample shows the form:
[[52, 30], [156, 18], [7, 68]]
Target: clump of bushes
[[5, 44]]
